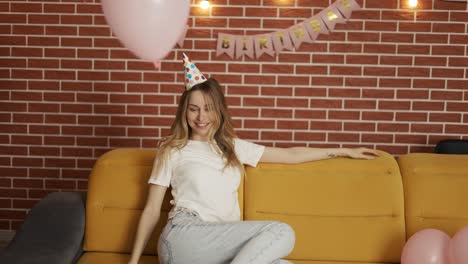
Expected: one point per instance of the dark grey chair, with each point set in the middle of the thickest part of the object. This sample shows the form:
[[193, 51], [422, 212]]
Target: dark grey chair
[[52, 232]]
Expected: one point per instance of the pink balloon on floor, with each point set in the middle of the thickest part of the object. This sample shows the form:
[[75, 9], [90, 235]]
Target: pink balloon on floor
[[428, 246], [458, 248], [148, 28]]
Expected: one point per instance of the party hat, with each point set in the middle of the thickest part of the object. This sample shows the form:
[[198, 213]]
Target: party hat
[[193, 76]]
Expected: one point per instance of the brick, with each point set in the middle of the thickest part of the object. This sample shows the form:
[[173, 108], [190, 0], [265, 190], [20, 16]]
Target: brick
[[377, 93], [377, 138], [227, 11], [327, 81], [394, 105], [276, 113], [60, 119], [246, 23], [43, 19], [346, 115], [362, 59], [326, 125], [13, 18], [76, 64], [446, 95], [60, 184], [80, 130], [42, 151], [381, 26], [458, 16], [134, 109], [359, 104], [407, 116], [456, 129], [398, 37], [28, 118], [109, 109], [413, 72], [412, 94], [258, 123], [429, 83], [374, 115], [430, 61], [363, 37], [457, 84], [293, 80], [276, 136], [309, 136], [44, 129], [93, 119], [94, 31], [379, 71], [59, 8], [124, 143], [344, 92], [260, 12], [393, 127], [316, 58], [448, 73], [343, 137], [458, 62], [43, 63], [28, 162], [426, 128], [345, 70], [432, 38], [416, 139], [359, 126], [449, 28], [445, 117], [345, 47], [360, 82], [258, 101], [43, 41], [13, 40], [414, 27], [413, 49], [448, 50], [457, 107]]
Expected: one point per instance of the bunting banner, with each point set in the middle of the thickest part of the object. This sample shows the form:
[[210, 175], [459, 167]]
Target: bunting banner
[[291, 38]]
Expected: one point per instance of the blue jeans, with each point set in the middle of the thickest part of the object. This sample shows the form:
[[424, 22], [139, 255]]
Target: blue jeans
[[188, 239]]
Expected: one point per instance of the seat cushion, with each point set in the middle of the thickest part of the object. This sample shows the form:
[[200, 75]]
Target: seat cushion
[[114, 258], [341, 209], [435, 191]]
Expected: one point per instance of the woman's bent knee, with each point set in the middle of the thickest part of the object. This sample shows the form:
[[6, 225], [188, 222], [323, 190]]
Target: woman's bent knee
[[287, 235]]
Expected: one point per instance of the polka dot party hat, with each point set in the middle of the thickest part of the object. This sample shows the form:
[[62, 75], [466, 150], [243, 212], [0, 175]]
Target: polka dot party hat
[[193, 76]]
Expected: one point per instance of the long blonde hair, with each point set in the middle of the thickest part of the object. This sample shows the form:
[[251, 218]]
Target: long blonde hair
[[221, 134]]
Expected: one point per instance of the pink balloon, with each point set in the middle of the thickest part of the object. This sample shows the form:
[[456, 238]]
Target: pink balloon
[[428, 246], [458, 248], [148, 28]]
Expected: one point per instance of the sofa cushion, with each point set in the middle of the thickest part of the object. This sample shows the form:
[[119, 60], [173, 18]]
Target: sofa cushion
[[435, 191], [114, 258], [117, 191], [341, 209]]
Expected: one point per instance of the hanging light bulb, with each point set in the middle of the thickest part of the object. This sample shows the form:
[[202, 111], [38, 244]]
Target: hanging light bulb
[[205, 4], [413, 3]]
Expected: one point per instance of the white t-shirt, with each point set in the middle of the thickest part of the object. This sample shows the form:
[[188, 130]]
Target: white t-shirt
[[199, 182]]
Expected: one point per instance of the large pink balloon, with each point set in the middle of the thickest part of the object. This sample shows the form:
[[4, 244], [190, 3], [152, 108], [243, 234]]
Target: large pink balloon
[[428, 246], [458, 248], [148, 28]]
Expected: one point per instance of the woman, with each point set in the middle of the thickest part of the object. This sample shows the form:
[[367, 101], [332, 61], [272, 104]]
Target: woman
[[203, 162]]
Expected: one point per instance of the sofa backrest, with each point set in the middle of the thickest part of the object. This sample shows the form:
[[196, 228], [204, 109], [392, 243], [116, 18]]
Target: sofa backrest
[[341, 209], [117, 191], [436, 194]]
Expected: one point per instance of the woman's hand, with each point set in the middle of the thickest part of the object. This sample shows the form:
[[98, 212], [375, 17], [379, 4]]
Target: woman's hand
[[362, 153]]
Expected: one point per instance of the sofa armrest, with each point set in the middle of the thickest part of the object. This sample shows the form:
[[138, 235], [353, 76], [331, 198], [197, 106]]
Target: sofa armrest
[[52, 232]]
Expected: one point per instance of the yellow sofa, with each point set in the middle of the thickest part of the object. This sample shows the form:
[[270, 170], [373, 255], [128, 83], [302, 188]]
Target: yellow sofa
[[343, 211]]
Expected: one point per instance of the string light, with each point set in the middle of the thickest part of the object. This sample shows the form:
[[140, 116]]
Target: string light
[[413, 3], [205, 4]]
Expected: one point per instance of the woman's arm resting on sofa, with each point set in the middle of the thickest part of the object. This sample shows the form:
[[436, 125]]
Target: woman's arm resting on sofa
[[302, 154], [149, 219]]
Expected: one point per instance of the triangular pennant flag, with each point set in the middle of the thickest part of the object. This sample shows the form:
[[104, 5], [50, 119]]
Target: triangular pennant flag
[[346, 7], [226, 44]]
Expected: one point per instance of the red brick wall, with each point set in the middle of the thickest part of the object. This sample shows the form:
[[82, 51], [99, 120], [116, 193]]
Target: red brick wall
[[391, 78]]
